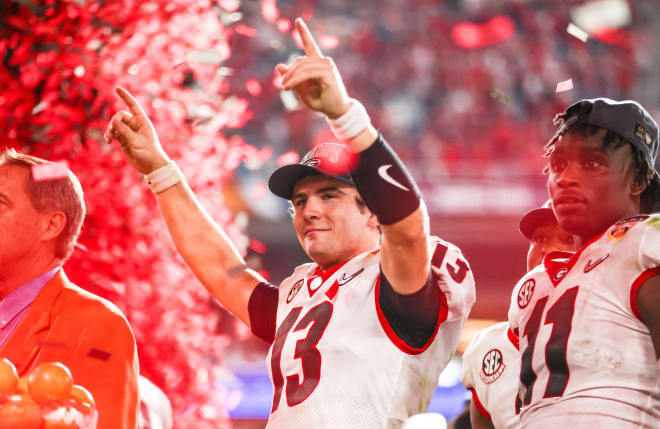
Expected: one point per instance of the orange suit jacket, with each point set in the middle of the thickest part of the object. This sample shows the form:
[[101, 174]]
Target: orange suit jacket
[[91, 337]]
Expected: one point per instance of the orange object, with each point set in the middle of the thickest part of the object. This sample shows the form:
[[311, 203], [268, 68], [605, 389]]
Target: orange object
[[22, 386], [8, 377], [91, 337], [50, 380], [82, 395], [20, 412], [61, 419]]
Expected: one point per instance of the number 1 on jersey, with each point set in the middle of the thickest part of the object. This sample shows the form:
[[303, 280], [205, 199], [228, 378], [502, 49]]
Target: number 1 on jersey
[[306, 351], [560, 315]]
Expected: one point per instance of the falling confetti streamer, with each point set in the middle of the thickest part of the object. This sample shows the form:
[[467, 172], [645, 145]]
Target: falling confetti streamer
[[269, 11], [50, 171], [566, 85], [577, 32], [329, 42], [290, 157], [498, 94]]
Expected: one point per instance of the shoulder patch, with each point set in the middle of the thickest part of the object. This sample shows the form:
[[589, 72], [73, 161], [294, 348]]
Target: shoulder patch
[[525, 293], [492, 366], [619, 229]]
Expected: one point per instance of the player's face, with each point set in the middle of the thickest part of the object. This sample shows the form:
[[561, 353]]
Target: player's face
[[547, 238], [329, 224], [19, 220], [591, 187]]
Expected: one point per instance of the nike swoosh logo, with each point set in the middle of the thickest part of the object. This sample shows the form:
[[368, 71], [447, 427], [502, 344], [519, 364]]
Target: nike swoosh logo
[[591, 265], [343, 279], [382, 172]]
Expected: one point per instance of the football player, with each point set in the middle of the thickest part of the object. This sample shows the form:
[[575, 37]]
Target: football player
[[589, 322], [358, 336], [491, 363]]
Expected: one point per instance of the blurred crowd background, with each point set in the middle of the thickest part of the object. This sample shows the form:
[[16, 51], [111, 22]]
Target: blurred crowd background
[[464, 90]]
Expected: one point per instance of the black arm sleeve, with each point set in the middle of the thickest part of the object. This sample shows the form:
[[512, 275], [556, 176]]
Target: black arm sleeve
[[412, 317], [262, 308]]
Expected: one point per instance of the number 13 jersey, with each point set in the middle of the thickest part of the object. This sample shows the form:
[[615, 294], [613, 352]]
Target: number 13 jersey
[[587, 360], [335, 361]]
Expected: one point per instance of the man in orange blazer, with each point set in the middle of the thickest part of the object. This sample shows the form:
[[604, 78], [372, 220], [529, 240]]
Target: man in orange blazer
[[43, 316]]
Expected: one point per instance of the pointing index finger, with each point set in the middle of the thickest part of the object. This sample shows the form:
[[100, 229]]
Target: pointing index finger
[[130, 101], [309, 44]]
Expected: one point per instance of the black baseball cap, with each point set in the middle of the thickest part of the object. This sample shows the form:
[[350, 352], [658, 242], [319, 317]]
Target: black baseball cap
[[536, 218], [626, 118], [329, 159]]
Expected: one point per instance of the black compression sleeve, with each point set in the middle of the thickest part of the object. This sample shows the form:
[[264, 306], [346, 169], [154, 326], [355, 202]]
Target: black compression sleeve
[[385, 184], [262, 308], [412, 317]]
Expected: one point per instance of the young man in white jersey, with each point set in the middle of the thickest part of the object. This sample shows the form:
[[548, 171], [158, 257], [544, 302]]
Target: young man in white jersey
[[360, 335], [588, 322], [491, 363]]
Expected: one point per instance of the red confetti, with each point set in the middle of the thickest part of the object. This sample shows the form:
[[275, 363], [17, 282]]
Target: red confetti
[[566, 85], [269, 11], [257, 246], [50, 171], [244, 30], [230, 5], [284, 25], [259, 191], [253, 87], [470, 35], [290, 157], [329, 42]]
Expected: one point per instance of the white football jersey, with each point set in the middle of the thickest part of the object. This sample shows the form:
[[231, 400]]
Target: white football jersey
[[491, 368], [587, 360], [336, 362]]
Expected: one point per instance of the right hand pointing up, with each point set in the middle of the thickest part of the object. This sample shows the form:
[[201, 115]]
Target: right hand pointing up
[[136, 135]]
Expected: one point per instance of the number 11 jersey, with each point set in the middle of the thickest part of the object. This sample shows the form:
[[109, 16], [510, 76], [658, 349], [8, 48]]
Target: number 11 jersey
[[587, 360]]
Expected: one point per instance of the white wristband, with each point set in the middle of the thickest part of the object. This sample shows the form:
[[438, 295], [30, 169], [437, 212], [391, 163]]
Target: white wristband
[[350, 123], [164, 177]]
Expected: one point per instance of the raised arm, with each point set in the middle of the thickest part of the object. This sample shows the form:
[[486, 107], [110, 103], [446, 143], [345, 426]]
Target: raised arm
[[384, 183], [206, 249]]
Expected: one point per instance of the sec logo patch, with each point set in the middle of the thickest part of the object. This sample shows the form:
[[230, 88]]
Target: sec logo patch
[[492, 366], [525, 293]]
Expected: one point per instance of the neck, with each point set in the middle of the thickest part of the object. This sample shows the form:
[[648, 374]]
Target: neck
[[586, 237], [17, 274]]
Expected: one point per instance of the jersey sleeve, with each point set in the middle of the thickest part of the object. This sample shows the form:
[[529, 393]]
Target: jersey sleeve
[[467, 375], [514, 312], [454, 278], [649, 247]]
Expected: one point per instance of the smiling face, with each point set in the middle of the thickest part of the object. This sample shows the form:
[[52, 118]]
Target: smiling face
[[330, 224], [591, 186]]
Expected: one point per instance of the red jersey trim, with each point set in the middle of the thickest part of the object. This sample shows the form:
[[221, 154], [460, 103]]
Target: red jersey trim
[[639, 281], [477, 403], [513, 338], [553, 267], [443, 310]]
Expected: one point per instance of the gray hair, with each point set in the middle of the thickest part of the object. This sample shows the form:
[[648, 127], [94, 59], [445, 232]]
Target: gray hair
[[65, 195]]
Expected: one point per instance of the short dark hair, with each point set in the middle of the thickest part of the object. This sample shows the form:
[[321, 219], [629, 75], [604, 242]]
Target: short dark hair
[[644, 172]]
